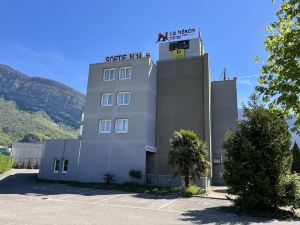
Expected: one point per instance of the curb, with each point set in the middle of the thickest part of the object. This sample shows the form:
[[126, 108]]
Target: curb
[[217, 198], [5, 174]]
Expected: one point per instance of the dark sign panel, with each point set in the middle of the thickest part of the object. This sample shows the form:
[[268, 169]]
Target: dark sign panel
[[179, 45]]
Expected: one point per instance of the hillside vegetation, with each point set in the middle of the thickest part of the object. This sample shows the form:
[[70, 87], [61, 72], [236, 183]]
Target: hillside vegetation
[[62, 103], [15, 124]]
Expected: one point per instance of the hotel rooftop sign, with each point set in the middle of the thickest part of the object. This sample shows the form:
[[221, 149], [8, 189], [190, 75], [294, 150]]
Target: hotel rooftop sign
[[181, 34], [125, 57]]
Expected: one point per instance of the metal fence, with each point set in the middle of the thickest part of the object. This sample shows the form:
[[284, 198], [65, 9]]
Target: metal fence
[[27, 163], [174, 181]]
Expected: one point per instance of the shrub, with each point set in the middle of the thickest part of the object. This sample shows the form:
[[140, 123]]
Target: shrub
[[135, 175], [258, 160], [193, 190], [292, 191], [5, 163], [108, 178]]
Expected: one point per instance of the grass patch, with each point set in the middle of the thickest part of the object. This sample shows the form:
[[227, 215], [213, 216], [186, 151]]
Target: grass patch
[[135, 187]]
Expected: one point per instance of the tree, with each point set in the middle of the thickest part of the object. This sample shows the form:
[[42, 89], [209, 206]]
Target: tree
[[280, 78], [188, 155], [258, 160], [4, 140], [34, 137], [296, 158]]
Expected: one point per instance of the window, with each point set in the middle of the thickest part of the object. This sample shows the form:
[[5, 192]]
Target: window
[[109, 74], [123, 98], [65, 166], [104, 126], [125, 73], [121, 126], [56, 165], [107, 99]]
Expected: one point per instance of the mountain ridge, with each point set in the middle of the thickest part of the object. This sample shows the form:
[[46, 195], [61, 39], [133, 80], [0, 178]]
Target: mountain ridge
[[32, 93]]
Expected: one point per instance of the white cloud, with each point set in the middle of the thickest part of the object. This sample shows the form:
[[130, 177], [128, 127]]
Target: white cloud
[[248, 80]]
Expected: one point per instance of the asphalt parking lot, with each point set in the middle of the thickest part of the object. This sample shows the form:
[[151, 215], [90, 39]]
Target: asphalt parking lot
[[24, 201]]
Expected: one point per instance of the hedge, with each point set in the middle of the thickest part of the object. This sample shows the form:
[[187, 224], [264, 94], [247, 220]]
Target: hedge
[[5, 163]]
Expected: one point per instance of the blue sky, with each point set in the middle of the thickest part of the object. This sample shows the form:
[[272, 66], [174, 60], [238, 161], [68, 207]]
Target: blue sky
[[58, 39]]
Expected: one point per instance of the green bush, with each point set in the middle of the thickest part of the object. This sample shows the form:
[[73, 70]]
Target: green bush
[[193, 190], [135, 175], [108, 178], [292, 190], [5, 163], [258, 161]]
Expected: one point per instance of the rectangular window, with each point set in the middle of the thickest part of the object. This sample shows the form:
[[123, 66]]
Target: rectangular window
[[104, 126], [107, 99], [65, 166], [123, 98], [125, 73], [56, 165], [121, 126], [109, 74]]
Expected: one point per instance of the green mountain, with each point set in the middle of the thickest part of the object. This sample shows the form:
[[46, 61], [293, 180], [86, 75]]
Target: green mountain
[[32, 94], [17, 125]]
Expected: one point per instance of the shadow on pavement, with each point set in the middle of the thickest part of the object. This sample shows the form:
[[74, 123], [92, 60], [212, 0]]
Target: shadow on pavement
[[27, 184], [227, 215], [158, 196], [221, 191]]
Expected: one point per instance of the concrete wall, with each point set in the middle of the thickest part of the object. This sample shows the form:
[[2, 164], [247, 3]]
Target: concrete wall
[[26, 155], [114, 152], [183, 101], [60, 149], [224, 117]]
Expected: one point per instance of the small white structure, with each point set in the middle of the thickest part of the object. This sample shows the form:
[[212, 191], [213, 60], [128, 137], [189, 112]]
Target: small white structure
[[27, 155]]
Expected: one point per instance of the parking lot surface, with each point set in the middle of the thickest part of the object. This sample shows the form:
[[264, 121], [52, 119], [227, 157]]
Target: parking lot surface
[[24, 201]]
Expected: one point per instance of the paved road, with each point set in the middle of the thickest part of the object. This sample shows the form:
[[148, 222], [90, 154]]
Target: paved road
[[25, 201]]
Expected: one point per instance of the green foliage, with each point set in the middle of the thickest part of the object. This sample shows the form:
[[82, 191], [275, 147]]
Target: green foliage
[[34, 137], [296, 158], [5, 163], [108, 178], [5, 139], [258, 160], [16, 124], [188, 155], [193, 190], [135, 174], [291, 192], [280, 78]]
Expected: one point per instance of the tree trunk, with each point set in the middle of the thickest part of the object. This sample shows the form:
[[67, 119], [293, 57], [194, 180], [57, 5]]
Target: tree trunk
[[186, 181]]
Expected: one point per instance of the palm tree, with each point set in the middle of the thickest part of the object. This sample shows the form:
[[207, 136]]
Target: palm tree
[[188, 155]]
